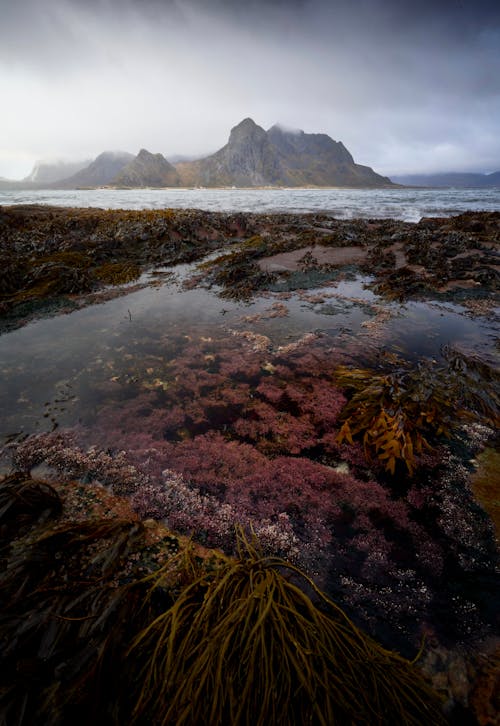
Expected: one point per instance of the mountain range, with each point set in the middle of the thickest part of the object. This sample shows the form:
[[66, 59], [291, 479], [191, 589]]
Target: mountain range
[[451, 179], [99, 173], [252, 157], [46, 172], [277, 157]]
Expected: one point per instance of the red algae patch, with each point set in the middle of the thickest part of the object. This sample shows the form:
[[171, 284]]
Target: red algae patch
[[292, 261]]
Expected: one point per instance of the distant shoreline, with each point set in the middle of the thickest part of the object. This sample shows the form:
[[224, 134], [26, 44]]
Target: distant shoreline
[[405, 204], [310, 187]]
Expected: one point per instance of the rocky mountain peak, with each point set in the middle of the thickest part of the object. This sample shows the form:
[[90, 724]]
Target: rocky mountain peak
[[147, 155], [278, 157], [246, 129], [100, 172], [147, 170]]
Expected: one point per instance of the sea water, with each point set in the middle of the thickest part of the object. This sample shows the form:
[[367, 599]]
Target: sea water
[[409, 204]]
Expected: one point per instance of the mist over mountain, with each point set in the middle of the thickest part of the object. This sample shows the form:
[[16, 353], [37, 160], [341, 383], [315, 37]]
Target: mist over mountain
[[100, 172], [278, 157], [405, 86], [176, 158], [252, 157], [45, 172], [319, 160], [450, 179], [147, 170]]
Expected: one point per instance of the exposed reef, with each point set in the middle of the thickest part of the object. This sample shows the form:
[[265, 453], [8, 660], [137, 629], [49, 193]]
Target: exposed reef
[[194, 483], [454, 259], [51, 254]]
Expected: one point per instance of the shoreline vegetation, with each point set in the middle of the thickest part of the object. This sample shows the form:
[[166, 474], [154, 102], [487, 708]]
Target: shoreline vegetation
[[90, 592], [53, 253], [115, 609]]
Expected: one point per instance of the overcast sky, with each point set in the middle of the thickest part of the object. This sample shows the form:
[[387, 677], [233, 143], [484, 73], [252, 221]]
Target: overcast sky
[[406, 86]]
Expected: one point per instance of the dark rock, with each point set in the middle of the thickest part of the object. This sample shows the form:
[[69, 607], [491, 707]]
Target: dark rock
[[254, 157]]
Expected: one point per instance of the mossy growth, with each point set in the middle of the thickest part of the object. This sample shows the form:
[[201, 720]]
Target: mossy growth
[[255, 243], [70, 258], [53, 279], [240, 253], [306, 279], [117, 273]]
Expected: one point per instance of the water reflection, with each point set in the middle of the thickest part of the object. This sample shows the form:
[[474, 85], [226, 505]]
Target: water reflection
[[57, 371]]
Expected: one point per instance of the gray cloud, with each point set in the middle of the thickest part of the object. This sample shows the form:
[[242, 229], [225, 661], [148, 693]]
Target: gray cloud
[[406, 86]]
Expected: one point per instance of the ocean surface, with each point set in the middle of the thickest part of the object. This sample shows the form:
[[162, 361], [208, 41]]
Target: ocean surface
[[404, 204]]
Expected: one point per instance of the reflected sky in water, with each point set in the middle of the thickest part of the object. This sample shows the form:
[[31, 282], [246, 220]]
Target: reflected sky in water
[[56, 370]]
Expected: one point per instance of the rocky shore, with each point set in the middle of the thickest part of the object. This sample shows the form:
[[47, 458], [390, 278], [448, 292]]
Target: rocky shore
[[370, 471], [53, 254]]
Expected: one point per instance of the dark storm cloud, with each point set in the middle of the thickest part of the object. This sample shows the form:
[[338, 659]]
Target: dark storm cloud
[[407, 86]]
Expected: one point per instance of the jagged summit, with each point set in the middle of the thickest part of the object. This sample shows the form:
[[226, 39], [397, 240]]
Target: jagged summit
[[252, 157], [147, 170], [245, 128], [278, 157]]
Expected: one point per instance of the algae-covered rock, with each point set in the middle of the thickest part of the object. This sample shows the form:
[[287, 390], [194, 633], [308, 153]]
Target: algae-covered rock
[[486, 484], [90, 592]]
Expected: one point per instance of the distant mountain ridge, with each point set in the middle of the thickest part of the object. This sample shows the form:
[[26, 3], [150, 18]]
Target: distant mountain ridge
[[46, 172], [277, 157], [147, 170], [252, 157], [100, 172], [450, 179]]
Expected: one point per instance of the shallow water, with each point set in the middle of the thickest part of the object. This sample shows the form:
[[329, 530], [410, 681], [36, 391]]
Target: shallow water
[[54, 370], [219, 393], [404, 204]]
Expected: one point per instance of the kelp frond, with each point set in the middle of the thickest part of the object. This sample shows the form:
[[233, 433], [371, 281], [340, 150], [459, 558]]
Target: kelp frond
[[66, 607], [246, 645], [24, 501], [398, 409], [205, 639]]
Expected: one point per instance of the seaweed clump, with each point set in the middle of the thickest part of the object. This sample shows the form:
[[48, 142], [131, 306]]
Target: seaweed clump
[[248, 646], [90, 635], [117, 273], [400, 409], [64, 609]]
